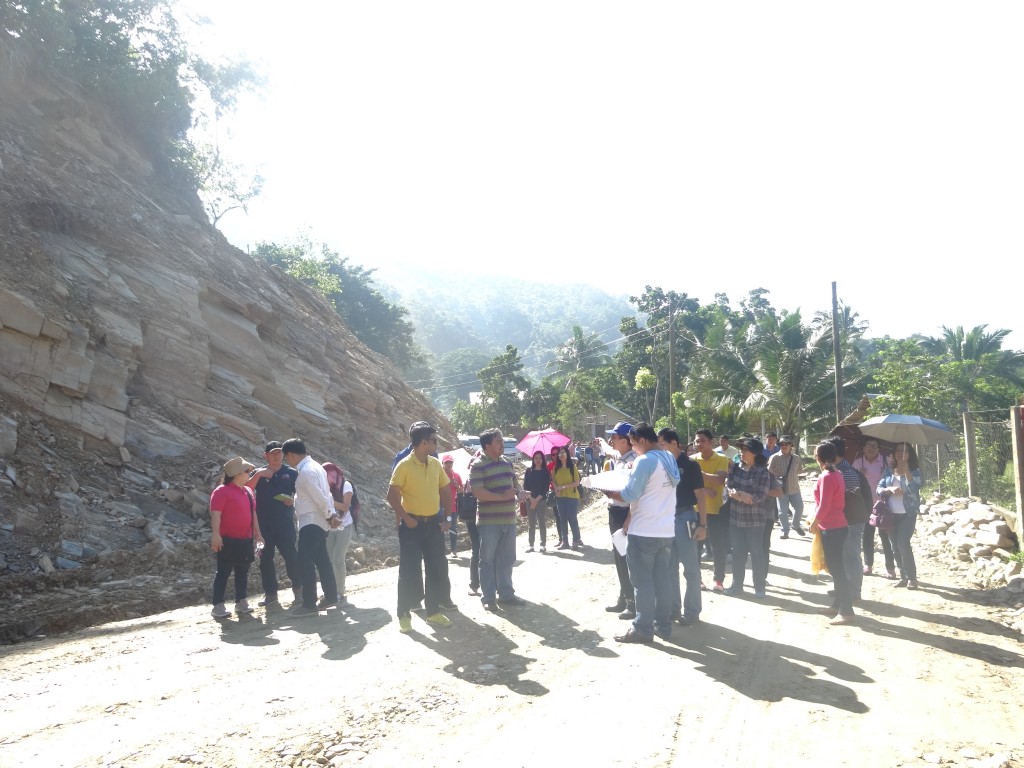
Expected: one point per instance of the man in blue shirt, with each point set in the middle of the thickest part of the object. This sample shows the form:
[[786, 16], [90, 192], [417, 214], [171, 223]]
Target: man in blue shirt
[[274, 486]]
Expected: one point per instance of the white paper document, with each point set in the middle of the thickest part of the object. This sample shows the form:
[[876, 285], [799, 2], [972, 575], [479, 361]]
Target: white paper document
[[607, 481], [619, 540]]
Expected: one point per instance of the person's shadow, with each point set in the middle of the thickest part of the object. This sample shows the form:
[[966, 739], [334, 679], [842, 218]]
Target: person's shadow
[[555, 629], [247, 629], [733, 658], [480, 654], [342, 631]]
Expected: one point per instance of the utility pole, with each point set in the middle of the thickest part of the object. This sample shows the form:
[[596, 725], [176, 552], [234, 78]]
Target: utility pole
[[836, 356], [671, 359]]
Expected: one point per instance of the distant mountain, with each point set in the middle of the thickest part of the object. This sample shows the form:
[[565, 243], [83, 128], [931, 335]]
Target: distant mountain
[[456, 311]]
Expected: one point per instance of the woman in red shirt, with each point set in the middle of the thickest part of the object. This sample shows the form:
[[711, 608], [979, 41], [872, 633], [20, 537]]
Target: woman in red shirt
[[830, 502], [235, 533]]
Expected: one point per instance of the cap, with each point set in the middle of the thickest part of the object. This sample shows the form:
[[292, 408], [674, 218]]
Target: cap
[[236, 466], [273, 445], [622, 429], [446, 458], [753, 445], [787, 439]]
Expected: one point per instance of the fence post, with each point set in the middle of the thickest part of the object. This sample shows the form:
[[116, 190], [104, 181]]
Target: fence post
[[972, 458], [1017, 439]]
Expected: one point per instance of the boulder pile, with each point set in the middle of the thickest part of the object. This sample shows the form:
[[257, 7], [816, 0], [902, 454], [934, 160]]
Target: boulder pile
[[980, 538]]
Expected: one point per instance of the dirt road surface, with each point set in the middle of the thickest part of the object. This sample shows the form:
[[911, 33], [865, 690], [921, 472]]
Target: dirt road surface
[[923, 678]]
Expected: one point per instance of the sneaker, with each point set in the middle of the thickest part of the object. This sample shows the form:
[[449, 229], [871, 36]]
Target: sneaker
[[866, 570], [733, 591], [270, 601], [530, 548], [901, 583], [343, 602], [912, 584], [448, 605], [490, 606], [327, 602], [242, 606], [220, 612], [563, 545], [688, 621], [511, 600], [760, 594], [405, 624], [799, 531], [302, 610], [785, 535], [439, 620], [543, 548], [719, 587], [629, 614]]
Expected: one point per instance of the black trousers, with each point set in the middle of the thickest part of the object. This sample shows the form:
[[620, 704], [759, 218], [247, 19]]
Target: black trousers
[[278, 534], [616, 517], [718, 533], [474, 559], [313, 557], [421, 550]]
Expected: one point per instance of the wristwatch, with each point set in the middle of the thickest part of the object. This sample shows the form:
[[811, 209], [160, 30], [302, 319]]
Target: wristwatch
[[449, 519]]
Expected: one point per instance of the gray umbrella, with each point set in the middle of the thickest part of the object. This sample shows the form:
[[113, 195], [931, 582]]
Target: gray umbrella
[[901, 428]]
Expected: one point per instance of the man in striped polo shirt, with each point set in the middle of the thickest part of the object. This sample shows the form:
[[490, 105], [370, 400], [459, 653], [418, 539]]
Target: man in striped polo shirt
[[496, 488]]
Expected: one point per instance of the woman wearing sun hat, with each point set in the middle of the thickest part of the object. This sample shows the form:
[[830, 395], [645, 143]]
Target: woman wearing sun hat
[[236, 533]]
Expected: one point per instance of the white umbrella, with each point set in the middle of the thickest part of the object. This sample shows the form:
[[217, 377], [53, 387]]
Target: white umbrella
[[902, 428]]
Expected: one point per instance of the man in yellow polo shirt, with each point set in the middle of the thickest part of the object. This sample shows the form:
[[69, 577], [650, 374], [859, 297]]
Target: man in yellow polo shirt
[[715, 467], [415, 496]]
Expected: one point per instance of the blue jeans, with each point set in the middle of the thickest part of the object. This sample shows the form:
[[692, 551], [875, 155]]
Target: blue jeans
[[686, 555], [797, 502], [852, 563], [748, 541], [902, 532], [568, 509], [497, 556], [650, 569]]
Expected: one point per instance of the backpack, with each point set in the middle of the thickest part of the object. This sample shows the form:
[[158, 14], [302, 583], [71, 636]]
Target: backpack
[[353, 503], [858, 502]]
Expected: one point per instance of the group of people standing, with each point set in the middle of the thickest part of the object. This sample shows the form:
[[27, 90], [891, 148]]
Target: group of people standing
[[671, 505], [292, 505]]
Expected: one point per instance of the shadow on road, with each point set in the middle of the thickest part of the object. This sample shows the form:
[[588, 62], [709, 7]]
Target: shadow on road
[[480, 654], [557, 630], [729, 657]]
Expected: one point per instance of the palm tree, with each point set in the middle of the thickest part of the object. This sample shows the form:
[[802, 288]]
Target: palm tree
[[975, 358], [773, 366], [580, 353]]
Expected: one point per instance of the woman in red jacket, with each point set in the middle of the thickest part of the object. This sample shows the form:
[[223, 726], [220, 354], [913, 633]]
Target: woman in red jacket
[[829, 501]]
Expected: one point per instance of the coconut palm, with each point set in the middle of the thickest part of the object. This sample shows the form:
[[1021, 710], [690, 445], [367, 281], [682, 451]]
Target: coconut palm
[[580, 353], [974, 359]]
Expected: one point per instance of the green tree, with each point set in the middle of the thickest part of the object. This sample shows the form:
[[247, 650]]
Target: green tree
[[349, 288], [909, 380], [132, 57], [456, 376], [979, 371], [647, 383], [582, 352], [504, 390]]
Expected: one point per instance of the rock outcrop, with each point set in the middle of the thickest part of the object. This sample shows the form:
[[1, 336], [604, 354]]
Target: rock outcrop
[[138, 349]]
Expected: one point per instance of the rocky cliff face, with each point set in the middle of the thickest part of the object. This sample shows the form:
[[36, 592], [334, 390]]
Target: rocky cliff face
[[138, 349]]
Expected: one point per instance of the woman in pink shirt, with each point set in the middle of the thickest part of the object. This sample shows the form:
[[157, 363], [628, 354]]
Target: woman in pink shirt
[[829, 502]]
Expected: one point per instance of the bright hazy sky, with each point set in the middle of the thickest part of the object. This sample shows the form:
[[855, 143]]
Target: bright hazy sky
[[702, 147]]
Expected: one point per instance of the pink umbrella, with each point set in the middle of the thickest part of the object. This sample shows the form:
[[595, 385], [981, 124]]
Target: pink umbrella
[[541, 440]]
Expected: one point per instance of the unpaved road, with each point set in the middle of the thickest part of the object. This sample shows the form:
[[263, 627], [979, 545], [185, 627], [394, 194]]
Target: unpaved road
[[923, 677]]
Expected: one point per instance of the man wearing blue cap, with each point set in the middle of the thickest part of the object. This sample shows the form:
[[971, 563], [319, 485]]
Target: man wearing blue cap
[[618, 438]]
